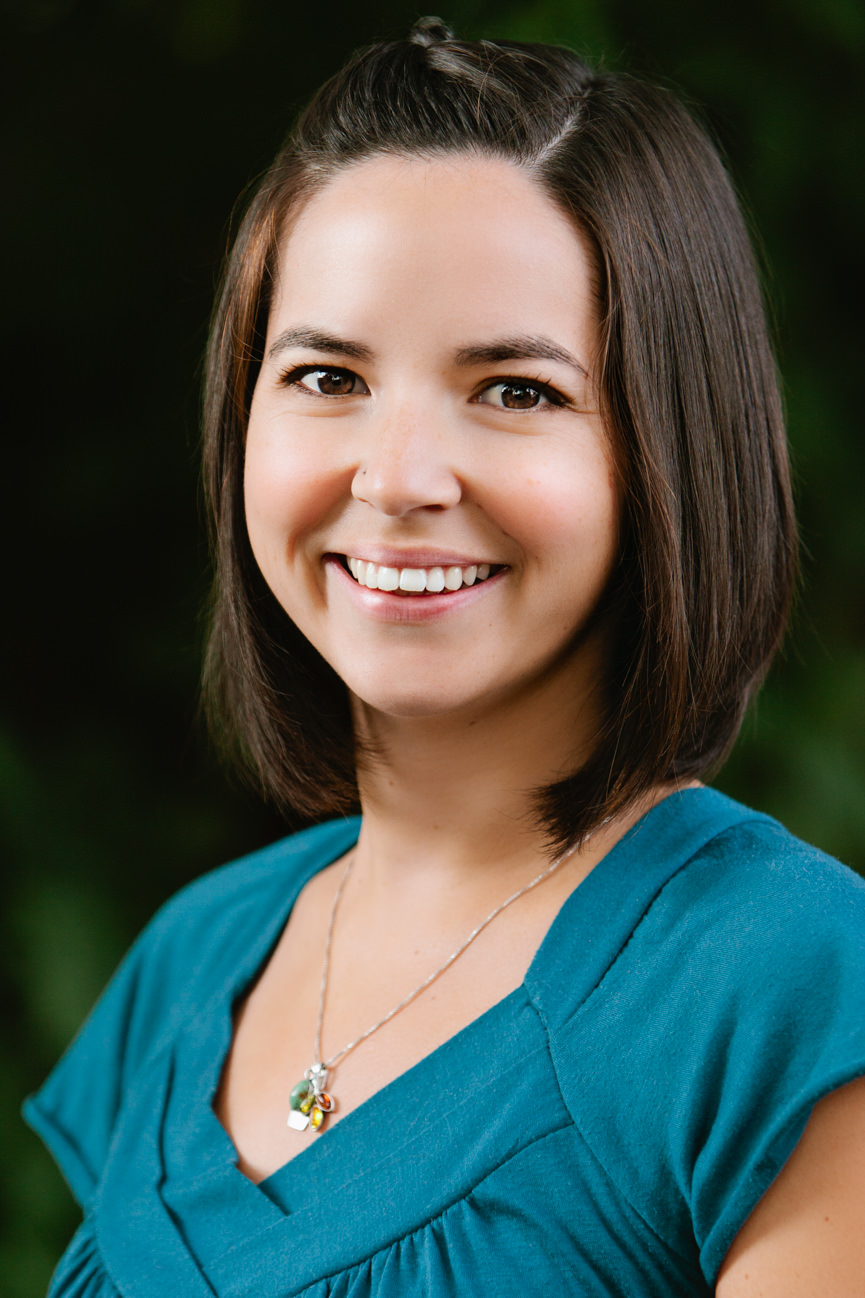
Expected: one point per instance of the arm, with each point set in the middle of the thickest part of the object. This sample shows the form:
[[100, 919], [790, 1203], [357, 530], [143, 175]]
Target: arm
[[806, 1237]]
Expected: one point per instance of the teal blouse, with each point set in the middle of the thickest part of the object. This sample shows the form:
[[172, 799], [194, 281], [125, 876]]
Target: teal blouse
[[603, 1130]]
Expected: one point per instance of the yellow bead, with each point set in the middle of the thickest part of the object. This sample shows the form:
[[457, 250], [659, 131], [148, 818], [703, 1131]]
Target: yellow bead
[[316, 1118]]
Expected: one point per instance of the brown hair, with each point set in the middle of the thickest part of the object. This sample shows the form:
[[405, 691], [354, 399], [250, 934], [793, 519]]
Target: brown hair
[[689, 390]]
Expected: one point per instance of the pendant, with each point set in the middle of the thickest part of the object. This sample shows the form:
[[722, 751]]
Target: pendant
[[309, 1103]]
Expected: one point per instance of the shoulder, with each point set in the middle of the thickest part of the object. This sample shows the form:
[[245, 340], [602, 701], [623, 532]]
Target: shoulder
[[756, 886], [754, 939], [754, 953], [207, 927], [214, 932], [700, 896], [758, 850], [715, 908], [732, 1005], [251, 880]]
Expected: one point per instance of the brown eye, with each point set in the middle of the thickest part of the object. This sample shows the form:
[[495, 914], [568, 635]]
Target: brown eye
[[519, 396], [331, 383], [320, 381], [511, 394]]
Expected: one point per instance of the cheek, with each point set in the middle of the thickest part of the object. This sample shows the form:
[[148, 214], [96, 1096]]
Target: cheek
[[287, 494], [565, 514]]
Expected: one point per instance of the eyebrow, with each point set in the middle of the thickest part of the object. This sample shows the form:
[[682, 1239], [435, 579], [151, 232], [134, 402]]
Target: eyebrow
[[319, 341], [528, 347], [523, 348]]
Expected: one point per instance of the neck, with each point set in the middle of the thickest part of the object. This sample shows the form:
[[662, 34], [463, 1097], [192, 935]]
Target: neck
[[450, 798]]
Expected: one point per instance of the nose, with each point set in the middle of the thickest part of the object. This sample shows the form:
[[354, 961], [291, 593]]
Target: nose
[[406, 465]]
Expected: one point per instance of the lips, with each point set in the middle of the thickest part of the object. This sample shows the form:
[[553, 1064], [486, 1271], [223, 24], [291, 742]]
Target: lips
[[417, 580]]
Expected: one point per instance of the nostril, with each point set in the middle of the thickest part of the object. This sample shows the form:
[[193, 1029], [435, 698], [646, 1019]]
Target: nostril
[[399, 484]]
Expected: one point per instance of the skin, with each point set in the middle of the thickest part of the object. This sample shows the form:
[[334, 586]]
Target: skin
[[806, 1237], [492, 695], [380, 428], [422, 461]]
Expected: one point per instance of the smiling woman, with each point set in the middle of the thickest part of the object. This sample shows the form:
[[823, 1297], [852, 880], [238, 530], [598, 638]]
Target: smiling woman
[[442, 452], [504, 545]]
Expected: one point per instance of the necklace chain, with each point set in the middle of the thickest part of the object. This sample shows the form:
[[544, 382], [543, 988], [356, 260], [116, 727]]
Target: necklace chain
[[310, 1103], [454, 956]]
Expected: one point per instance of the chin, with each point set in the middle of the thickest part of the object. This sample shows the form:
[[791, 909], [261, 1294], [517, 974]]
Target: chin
[[424, 698], [408, 704]]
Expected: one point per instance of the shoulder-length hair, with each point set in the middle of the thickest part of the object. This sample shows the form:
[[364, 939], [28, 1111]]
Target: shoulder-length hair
[[689, 394]]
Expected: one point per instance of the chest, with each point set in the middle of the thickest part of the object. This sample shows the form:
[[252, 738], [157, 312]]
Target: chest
[[467, 1170], [370, 975]]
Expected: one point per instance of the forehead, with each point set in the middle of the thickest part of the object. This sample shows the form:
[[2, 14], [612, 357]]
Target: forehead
[[477, 237]]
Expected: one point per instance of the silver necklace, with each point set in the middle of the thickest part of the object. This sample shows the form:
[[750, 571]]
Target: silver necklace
[[310, 1101]]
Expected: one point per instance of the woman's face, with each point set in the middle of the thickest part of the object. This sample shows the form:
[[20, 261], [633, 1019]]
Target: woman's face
[[429, 489]]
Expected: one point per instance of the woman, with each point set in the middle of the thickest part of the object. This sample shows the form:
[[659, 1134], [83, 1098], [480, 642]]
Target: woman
[[504, 545]]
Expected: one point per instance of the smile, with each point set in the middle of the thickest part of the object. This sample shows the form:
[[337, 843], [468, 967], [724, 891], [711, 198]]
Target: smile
[[416, 581]]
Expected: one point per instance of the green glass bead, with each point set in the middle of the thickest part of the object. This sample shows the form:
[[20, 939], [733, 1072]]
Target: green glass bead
[[301, 1092], [307, 1103]]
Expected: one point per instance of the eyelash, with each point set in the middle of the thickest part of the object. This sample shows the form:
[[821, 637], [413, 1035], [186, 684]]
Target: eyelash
[[550, 395], [293, 378]]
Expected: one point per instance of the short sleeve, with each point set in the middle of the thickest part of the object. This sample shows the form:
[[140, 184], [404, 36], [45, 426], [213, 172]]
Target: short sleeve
[[76, 1109], [168, 973], [737, 1004], [214, 932]]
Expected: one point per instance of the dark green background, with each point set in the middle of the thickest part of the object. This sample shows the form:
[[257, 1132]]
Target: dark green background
[[131, 127]]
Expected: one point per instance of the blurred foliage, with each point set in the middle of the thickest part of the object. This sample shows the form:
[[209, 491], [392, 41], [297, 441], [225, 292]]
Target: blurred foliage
[[131, 127]]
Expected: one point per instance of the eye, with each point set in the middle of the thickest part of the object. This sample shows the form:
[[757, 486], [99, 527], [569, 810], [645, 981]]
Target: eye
[[519, 394], [324, 382]]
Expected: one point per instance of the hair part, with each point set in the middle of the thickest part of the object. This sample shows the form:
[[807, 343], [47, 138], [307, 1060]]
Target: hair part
[[689, 394]]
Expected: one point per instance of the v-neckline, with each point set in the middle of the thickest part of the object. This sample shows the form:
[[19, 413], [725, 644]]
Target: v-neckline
[[245, 978], [592, 895]]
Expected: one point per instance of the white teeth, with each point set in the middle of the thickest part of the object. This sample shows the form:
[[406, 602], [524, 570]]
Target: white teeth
[[413, 579], [416, 580]]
